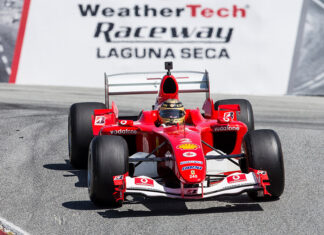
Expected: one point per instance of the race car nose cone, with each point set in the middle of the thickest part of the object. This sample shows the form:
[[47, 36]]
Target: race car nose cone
[[193, 174], [192, 166]]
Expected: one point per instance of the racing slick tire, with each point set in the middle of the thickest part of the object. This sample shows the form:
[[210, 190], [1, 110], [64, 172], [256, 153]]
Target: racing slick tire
[[80, 132], [263, 150], [108, 157], [246, 111]]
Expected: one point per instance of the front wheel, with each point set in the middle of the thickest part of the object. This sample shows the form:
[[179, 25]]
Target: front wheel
[[263, 150], [108, 157]]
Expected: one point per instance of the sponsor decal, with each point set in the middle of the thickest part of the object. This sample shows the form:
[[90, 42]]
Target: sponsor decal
[[168, 154], [123, 122], [126, 122], [188, 146], [118, 180], [118, 177], [191, 168], [149, 11], [228, 116], [185, 140], [100, 120], [168, 105], [191, 191], [123, 132], [236, 178], [144, 181], [226, 128], [162, 53], [112, 30], [192, 172], [191, 162], [189, 154]]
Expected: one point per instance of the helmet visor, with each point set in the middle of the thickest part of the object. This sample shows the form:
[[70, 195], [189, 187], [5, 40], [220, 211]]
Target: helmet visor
[[172, 113]]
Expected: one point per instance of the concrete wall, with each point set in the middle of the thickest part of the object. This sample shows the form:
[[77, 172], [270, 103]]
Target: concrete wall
[[307, 76]]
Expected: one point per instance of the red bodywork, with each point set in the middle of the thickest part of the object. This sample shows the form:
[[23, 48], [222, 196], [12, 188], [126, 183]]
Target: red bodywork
[[183, 142]]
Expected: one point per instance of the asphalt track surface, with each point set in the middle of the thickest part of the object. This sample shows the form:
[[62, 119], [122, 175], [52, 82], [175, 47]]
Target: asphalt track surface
[[42, 194]]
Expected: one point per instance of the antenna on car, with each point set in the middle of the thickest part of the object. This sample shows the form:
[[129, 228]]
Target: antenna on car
[[168, 66]]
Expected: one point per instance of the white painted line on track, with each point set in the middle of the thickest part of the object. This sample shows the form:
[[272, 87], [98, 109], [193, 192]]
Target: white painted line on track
[[8, 225], [1, 48]]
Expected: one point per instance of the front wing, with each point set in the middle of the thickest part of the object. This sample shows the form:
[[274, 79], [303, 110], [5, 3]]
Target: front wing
[[235, 183]]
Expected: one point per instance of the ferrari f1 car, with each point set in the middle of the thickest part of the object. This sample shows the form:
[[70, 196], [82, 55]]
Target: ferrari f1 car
[[170, 151]]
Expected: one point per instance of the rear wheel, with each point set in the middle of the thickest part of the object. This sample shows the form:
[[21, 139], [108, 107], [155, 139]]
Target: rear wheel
[[108, 157], [246, 111], [80, 132], [263, 150]]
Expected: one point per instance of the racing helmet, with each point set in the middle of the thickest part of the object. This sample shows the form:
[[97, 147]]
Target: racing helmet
[[172, 112]]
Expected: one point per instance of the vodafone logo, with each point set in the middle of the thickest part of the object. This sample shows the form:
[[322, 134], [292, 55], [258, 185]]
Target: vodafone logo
[[236, 178], [144, 181], [123, 122], [227, 128], [189, 154], [123, 132]]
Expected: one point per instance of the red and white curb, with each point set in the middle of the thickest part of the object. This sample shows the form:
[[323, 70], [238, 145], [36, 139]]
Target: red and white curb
[[7, 227]]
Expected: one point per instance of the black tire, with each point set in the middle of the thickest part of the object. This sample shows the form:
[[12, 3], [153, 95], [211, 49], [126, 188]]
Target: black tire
[[263, 150], [246, 111], [108, 157], [80, 132]]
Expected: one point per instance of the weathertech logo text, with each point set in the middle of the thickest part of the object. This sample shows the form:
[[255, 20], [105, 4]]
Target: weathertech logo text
[[192, 10]]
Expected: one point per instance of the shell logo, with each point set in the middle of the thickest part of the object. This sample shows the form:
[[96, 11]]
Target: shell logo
[[188, 146]]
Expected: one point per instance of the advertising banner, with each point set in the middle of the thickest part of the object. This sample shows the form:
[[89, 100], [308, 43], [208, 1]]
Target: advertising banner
[[246, 45]]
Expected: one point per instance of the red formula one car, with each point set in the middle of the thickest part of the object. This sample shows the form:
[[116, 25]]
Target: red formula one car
[[170, 151]]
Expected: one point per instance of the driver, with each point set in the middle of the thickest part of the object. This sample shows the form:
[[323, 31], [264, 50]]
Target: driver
[[172, 112]]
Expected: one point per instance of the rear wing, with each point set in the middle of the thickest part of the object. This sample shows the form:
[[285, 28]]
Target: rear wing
[[149, 83]]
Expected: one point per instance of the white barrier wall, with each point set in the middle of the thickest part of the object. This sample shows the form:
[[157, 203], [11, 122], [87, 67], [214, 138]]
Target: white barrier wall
[[247, 46]]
